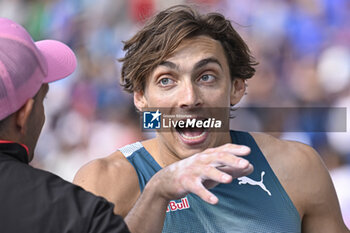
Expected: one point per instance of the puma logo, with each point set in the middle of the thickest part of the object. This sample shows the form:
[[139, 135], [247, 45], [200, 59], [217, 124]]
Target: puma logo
[[247, 180]]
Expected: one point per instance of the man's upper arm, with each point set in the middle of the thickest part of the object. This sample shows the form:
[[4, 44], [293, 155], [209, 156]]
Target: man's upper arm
[[322, 211], [113, 178]]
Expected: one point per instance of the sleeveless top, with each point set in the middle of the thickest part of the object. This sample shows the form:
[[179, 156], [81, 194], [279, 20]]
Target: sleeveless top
[[256, 203]]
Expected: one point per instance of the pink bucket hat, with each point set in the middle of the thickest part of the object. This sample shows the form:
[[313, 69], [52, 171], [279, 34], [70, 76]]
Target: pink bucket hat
[[25, 65]]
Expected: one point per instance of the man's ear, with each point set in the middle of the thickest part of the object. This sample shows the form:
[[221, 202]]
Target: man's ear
[[140, 100], [237, 90], [23, 114]]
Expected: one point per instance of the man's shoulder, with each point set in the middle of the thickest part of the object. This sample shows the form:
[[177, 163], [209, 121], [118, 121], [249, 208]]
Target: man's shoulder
[[114, 167], [275, 148], [112, 177], [289, 158], [49, 188], [14, 171], [110, 167], [297, 166]]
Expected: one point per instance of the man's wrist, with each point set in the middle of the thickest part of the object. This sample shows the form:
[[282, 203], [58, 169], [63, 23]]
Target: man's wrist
[[153, 189]]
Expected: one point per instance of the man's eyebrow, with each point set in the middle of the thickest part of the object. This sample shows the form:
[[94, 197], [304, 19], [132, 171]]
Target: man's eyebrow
[[198, 65], [206, 61], [169, 64]]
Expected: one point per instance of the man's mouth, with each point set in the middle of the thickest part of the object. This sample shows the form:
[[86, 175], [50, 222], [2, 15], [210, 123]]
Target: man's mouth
[[192, 135]]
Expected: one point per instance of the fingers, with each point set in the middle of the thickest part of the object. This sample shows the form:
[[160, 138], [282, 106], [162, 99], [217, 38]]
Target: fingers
[[224, 159], [227, 159], [235, 149], [205, 170], [220, 158], [228, 154], [236, 173], [198, 189], [212, 173], [239, 150]]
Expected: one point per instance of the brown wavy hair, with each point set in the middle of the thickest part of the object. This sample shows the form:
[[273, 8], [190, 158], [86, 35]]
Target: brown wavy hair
[[163, 33]]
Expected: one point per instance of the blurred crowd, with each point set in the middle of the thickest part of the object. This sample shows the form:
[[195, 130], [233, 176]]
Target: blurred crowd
[[302, 46]]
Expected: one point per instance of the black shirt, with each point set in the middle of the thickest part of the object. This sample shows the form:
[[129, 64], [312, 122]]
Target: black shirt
[[36, 201]]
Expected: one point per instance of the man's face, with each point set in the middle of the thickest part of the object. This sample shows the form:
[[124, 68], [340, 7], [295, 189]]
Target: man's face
[[193, 79], [36, 119]]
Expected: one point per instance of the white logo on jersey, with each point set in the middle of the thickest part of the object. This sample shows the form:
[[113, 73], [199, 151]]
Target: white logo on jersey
[[173, 205], [245, 180]]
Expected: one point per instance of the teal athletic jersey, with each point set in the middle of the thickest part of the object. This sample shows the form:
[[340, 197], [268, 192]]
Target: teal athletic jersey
[[256, 203]]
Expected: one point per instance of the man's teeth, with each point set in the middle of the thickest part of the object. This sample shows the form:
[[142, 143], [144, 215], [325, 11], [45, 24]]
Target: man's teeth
[[192, 138]]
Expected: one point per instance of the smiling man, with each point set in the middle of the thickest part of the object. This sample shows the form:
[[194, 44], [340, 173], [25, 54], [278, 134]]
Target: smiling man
[[190, 63]]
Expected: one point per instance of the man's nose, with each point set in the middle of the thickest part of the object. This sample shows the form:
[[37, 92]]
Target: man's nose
[[190, 96]]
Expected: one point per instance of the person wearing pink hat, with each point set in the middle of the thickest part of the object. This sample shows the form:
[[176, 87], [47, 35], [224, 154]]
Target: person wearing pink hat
[[33, 200]]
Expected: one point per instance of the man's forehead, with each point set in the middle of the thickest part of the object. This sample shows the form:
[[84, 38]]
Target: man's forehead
[[199, 49], [203, 39], [205, 43]]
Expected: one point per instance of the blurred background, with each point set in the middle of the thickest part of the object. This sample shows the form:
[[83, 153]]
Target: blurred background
[[303, 47]]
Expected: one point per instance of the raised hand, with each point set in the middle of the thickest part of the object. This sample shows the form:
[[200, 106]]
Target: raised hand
[[201, 172]]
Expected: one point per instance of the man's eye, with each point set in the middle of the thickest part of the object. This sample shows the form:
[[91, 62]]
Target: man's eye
[[207, 78], [166, 81]]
